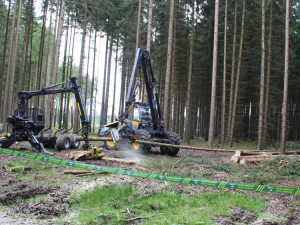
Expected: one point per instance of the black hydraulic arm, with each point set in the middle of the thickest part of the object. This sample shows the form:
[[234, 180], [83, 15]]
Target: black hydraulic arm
[[142, 60], [70, 86]]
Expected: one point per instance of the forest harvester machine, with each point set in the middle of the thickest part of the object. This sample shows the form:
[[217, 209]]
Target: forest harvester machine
[[140, 121], [27, 124]]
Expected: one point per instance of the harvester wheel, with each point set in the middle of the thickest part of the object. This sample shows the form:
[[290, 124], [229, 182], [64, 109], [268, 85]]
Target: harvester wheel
[[109, 145], [63, 142], [174, 140], [74, 144], [143, 135]]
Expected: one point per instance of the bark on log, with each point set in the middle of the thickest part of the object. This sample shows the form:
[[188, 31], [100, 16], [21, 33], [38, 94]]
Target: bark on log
[[80, 138], [83, 155], [252, 159], [120, 160]]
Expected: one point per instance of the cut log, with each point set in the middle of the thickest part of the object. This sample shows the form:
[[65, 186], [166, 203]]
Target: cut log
[[120, 160], [80, 138], [237, 159], [258, 159]]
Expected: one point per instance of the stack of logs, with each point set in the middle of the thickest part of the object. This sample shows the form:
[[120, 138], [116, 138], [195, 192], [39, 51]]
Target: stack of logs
[[244, 157], [84, 155]]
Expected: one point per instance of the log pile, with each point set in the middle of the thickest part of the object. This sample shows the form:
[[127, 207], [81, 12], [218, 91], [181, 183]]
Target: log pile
[[244, 157], [95, 153]]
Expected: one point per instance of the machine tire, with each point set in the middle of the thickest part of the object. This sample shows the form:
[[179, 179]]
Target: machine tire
[[63, 142], [74, 144], [109, 145], [143, 135], [174, 140]]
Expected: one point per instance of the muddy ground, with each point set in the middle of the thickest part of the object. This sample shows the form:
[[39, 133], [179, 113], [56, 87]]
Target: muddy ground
[[39, 200]]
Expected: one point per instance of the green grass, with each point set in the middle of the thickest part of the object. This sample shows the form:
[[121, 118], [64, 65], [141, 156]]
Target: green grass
[[109, 204], [41, 173], [259, 178]]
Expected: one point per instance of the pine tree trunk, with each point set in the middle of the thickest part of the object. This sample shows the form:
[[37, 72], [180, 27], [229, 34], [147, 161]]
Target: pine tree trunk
[[2, 78], [46, 75], [265, 127], [222, 135], [149, 29], [138, 26], [93, 77], [286, 79], [84, 27], [262, 78], [115, 80], [87, 70], [11, 46], [168, 69], [49, 107], [214, 79], [171, 112], [41, 54], [108, 80], [149, 35], [237, 76], [70, 67], [63, 78], [232, 74], [187, 129], [13, 64], [25, 47], [102, 120], [123, 81], [30, 55], [57, 50]]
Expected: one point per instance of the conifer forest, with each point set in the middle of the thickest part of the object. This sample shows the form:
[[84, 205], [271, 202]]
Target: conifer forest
[[226, 70]]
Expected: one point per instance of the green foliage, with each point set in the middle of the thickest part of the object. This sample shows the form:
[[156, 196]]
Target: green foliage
[[109, 204], [259, 178]]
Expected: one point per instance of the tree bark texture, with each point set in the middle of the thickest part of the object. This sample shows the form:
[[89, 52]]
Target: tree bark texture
[[188, 105], [286, 79], [168, 69], [237, 76], [222, 135], [214, 79], [262, 78]]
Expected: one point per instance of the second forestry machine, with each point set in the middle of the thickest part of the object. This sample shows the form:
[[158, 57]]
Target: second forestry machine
[[27, 124], [141, 121]]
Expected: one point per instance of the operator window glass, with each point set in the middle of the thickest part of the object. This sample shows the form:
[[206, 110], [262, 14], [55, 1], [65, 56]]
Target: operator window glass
[[136, 115], [145, 114]]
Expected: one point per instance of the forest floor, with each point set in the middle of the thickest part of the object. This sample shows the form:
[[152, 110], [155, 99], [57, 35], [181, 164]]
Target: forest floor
[[33, 192]]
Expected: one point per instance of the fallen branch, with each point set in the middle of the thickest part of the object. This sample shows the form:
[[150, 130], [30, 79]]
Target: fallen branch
[[141, 168], [119, 160], [140, 217], [76, 172], [87, 174]]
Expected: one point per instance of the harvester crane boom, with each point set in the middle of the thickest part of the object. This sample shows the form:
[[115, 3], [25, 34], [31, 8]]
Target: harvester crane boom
[[143, 61]]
